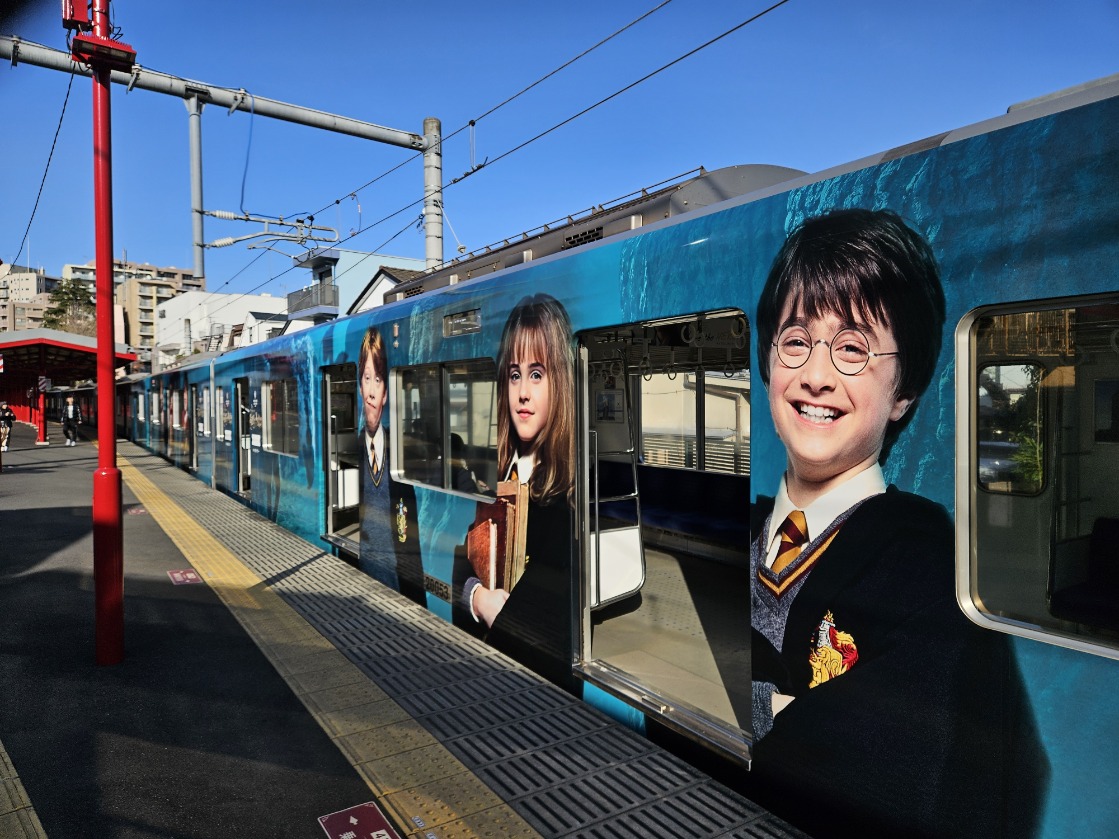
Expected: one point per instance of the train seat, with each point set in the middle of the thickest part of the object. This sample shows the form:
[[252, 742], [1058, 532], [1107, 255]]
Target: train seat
[[1096, 600], [707, 506]]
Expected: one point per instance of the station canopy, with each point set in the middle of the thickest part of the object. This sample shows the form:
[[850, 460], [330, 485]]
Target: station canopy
[[60, 356]]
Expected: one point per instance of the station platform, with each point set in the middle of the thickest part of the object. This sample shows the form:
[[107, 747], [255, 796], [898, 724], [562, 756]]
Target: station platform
[[267, 684]]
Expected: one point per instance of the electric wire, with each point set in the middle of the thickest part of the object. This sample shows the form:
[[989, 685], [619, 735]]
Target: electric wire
[[527, 142], [248, 150], [586, 110], [500, 105], [470, 124], [583, 112], [46, 169], [292, 268], [628, 87]]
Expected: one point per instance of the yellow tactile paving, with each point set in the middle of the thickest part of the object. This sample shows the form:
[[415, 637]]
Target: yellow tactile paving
[[17, 816], [413, 776]]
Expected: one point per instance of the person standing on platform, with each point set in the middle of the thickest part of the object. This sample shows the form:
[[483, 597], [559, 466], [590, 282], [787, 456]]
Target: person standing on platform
[[71, 419], [7, 417]]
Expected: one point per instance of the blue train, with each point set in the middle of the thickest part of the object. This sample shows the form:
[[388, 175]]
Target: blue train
[[570, 455]]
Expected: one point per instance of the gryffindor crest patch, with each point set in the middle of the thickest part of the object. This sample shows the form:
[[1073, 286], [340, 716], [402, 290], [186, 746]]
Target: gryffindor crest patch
[[833, 652]]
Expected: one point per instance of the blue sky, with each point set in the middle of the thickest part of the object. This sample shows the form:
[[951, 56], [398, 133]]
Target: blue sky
[[813, 84]]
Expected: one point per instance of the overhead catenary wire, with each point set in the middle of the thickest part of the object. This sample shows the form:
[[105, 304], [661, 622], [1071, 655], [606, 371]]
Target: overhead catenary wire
[[512, 98], [46, 169], [542, 134], [248, 150], [628, 87], [270, 280], [584, 111]]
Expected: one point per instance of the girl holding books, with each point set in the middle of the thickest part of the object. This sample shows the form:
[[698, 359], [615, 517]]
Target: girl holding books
[[536, 447]]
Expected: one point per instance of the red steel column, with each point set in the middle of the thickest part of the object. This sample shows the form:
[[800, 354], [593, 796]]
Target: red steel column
[[41, 400], [42, 420], [108, 547]]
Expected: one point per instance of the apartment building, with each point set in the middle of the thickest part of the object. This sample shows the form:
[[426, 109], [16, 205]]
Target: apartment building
[[24, 296]]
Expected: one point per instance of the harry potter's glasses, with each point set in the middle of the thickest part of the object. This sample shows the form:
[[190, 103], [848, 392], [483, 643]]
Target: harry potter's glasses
[[849, 350]]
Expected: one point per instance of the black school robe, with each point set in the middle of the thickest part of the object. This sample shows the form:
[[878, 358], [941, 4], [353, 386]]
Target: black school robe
[[929, 732], [390, 534]]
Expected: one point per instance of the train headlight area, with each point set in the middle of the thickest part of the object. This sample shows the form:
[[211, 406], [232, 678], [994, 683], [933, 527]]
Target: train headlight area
[[267, 685]]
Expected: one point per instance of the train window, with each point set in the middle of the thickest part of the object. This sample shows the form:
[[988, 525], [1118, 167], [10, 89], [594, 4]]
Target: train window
[[221, 411], [447, 413], [141, 401], [1010, 439], [472, 426], [668, 420], [281, 416], [157, 416], [206, 408], [701, 382], [1042, 447], [418, 401], [176, 408]]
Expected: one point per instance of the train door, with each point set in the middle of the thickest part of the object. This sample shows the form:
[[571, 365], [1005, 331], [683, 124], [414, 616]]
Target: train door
[[142, 414], [342, 457], [242, 433], [120, 412], [175, 430], [192, 428], [664, 520], [159, 419]]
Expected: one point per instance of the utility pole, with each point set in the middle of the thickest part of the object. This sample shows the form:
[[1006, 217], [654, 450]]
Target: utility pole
[[94, 53], [197, 95], [433, 193]]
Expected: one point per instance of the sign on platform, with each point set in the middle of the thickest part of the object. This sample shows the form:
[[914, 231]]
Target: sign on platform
[[184, 577], [44, 384], [365, 821]]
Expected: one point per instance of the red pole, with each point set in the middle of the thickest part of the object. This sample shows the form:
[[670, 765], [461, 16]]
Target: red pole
[[42, 420], [108, 548], [42, 401]]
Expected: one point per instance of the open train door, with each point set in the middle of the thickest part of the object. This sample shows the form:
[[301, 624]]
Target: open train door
[[341, 458], [242, 433], [663, 522], [192, 428]]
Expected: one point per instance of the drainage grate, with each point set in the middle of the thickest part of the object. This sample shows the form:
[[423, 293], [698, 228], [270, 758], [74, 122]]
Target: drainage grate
[[565, 768]]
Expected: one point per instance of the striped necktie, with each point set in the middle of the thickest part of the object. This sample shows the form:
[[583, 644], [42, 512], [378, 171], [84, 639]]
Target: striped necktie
[[794, 533]]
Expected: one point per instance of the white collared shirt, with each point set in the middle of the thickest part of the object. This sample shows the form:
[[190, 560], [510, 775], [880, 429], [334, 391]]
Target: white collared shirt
[[525, 465], [827, 508]]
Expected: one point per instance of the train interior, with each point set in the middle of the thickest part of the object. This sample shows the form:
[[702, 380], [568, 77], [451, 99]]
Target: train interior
[[1046, 424], [666, 508], [343, 457]]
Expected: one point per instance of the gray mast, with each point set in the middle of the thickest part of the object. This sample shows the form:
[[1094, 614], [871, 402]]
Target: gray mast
[[198, 94]]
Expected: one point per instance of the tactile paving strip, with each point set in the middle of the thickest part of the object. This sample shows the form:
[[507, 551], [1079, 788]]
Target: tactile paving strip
[[18, 819], [427, 691]]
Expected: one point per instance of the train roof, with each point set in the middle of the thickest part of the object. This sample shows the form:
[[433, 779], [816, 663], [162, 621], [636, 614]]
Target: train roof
[[745, 183], [686, 193]]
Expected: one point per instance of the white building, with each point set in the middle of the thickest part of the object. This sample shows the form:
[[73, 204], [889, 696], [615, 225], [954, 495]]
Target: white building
[[350, 272], [385, 280], [199, 321]]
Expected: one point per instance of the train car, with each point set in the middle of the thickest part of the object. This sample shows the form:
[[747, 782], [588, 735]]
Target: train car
[[563, 457]]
